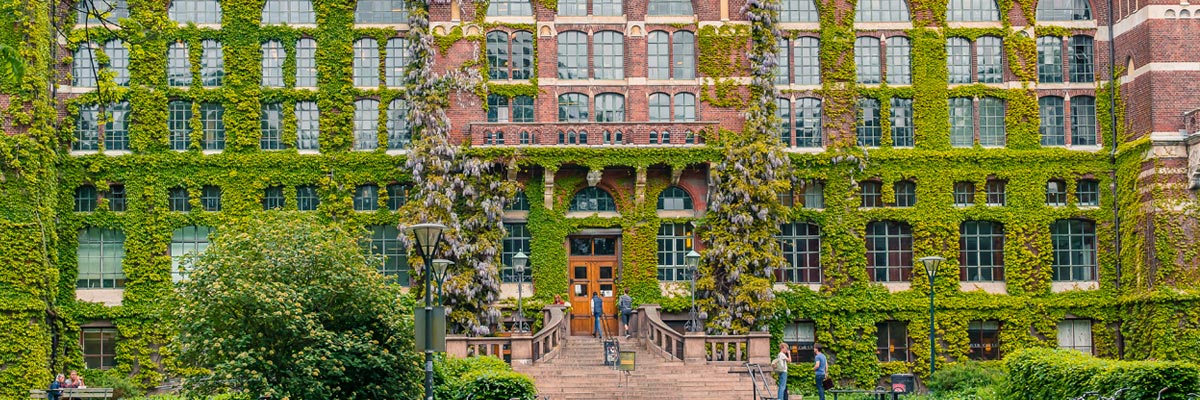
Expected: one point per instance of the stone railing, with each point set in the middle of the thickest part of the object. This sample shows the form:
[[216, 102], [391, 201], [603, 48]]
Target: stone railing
[[521, 347], [698, 347], [591, 133]]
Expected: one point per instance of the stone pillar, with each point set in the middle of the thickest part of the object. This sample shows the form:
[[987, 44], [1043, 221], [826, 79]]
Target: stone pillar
[[456, 345], [522, 348], [759, 347], [548, 188], [693, 348], [640, 188]]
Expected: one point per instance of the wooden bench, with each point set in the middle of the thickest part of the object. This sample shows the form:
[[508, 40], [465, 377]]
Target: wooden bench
[[89, 393]]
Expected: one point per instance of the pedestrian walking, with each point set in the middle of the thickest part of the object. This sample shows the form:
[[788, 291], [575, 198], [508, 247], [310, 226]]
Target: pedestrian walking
[[625, 303], [597, 313], [822, 369]]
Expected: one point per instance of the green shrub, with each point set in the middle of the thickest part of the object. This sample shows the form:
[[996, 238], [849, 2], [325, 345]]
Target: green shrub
[[123, 387], [1057, 374], [966, 377], [497, 385]]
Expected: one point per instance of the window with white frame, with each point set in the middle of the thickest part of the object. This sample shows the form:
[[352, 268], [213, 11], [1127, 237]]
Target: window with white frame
[[212, 123], [212, 63], [510, 56], [399, 131], [1050, 60], [118, 61], [366, 63], [291, 12], [902, 122], [384, 241], [306, 63], [674, 242], [99, 256], [610, 107], [573, 107], [195, 11], [516, 239], [271, 124], [964, 193], [85, 67], [869, 128], [179, 65], [674, 198], [272, 63], [366, 124], [189, 240], [1074, 244], [1075, 334], [399, 55], [308, 125], [899, 60], [972, 11], [866, 58]]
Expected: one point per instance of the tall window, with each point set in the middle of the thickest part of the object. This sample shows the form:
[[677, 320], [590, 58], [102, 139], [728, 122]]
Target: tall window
[[1075, 334], [188, 240], [869, 128], [964, 194], [899, 60], [212, 63], [871, 193], [116, 127], [658, 55], [685, 107], [610, 107], [308, 125], [118, 60], [674, 198], [85, 67], [385, 243], [807, 60], [683, 49], [210, 198], [958, 59], [273, 198], [962, 124], [307, 198], [391, 12], [889, 251], [272, 127], [593, 199], [991, 122], [306, 63], [397, 196], [507, 8], [1064, 10], [516, 240], [85, 198], [1083, 121], [814, 195], [572, 55], [272, 63], [906, 193], [366, 124], [671, 56], [277, 12], [866, 58], [902, 122], [366, 63], [807, 122], [660, 107], [801, 244], [989, 59], [116, 197], [212, 122], [1079, 51], [670, 7], [510, 59], [366, 197], [179, 65], [996, 192], [99, 347], [399, 131], [984, 339], [798, 11], [981, 251], [195, 11], [608, 55], [1087, 191], [1050, 111], [101, 12], [1056, 192], [674, 242], [972, 10], [881, 11], [572, 8], [399, 55], [87, 132], [891, 342], [1050, 68], [573, 107], [99, 255], [1074, 243]]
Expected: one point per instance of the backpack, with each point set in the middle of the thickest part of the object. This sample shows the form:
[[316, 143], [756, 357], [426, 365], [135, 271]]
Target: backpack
[[626, 305]]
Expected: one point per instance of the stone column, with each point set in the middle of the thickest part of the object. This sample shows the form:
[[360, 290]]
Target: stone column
[[693, 348]]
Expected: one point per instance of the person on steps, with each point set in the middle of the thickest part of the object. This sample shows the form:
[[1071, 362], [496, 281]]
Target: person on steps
[[625, 303], [597, 312], [821, 368], [780, 365]]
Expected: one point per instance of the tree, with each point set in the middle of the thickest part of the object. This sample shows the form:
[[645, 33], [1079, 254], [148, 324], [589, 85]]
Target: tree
[[291, 307]]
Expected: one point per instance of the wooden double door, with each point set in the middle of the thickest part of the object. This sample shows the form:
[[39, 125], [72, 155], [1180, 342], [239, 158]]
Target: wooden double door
[[593, 267]]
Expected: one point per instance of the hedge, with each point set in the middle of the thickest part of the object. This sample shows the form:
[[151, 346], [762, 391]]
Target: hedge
[[1061, 373]]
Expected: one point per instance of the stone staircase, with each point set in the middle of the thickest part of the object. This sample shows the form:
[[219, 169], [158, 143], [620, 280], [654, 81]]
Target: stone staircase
[[578, 373]]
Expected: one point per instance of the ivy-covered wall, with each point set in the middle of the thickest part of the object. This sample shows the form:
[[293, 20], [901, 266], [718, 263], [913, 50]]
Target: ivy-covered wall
[[38, 177]]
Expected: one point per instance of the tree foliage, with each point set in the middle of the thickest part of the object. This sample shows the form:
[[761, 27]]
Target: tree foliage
[[290, 306]]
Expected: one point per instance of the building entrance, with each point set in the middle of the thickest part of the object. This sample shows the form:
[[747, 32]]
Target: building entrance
[[593, 267]]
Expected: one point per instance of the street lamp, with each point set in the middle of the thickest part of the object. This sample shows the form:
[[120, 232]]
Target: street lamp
[[931, 265], [519, 262], [439, 274], [692, 259], [428, 237]]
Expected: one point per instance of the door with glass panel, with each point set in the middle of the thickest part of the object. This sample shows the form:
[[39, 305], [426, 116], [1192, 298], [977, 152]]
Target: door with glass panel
[[592, 268]]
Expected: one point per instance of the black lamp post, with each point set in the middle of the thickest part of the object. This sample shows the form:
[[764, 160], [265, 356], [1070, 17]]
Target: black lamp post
[[439, 274], [519, 262], [693, 260], [931, 265], [428, 237]]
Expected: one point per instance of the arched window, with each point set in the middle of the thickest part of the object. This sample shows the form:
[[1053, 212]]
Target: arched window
[[188, 240], [526, 138], [399, 132], [179, 65], [981, 251], [608, 55], [291, 12], [1074, 243], [497, 54], [510, 58], [1083, 121], [509, 8], [653, 137], [610, 107], [906, 193], [683, 55], [889, 251], [670, 7], [866, 57], [660, 107], [881, 11], [573, 107], [658, 52], [398, 56], [212, 63], [902, 122], [85, 68], [366, 124], [1050, 111], [1079, 52], [1049, 67], [195, 11], [685, 107], [1056, 193], [272, 63], [989, 59], [666, 137], [972, 10], [391, 12], [674, 198], [306, 63], [807, 66], [366, 63], [572, 55], [118, 61], [801, 245], [958, 59], [869, 128], [798, 11], [899, 60], [99, 257], [1064, 10], [593, 199]]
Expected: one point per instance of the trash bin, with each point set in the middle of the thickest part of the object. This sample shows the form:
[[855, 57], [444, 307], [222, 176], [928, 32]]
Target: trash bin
[[903, 383], [611, 352]]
